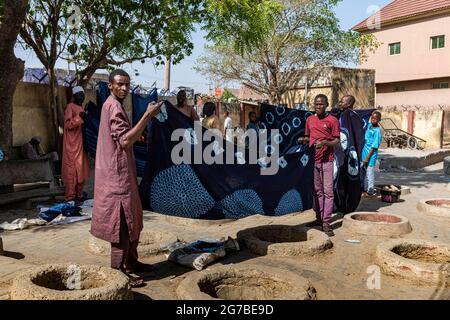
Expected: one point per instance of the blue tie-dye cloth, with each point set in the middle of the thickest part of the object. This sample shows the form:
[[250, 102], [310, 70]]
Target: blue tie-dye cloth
[[348, 176], [220, 191], [238, 190], [92, 123]]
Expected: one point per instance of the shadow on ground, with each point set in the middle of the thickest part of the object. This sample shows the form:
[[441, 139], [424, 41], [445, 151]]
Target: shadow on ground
[[14, 255]]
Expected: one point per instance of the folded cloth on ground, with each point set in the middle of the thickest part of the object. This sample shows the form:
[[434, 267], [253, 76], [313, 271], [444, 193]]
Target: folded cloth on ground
[[60, 220], [20, 224], [66, 209], [199, 254], [88, 203]]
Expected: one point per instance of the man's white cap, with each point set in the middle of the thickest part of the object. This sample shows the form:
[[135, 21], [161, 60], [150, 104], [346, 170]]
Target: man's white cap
[[77, 89]]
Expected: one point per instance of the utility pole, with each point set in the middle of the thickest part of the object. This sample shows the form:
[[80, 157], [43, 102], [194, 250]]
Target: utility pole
[[167, 74], [306, 93]]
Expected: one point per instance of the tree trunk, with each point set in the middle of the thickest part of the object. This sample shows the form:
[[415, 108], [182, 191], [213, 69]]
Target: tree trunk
[[11, 68], [53, 113]]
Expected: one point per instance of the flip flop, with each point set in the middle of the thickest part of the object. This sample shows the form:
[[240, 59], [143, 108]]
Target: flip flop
[[136, 282]]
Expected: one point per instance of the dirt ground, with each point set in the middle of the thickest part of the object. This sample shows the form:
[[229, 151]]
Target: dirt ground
[[339, 273]]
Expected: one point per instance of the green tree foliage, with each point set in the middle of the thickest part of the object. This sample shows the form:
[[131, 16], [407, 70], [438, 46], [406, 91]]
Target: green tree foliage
[[305, 39], [228, 96], [103, 33]]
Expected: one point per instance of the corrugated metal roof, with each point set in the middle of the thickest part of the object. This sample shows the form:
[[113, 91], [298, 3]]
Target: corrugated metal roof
[[400, 9]]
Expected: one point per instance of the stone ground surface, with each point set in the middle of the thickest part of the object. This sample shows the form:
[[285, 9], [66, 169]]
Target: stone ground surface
[[407, 152], [340, 273]]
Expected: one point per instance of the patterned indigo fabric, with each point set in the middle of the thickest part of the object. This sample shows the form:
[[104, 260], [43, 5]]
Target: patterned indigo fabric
[[290, 124], [348, 174], [177, 191], [242, 203], [227, 190], [290, 202], [216, 191]]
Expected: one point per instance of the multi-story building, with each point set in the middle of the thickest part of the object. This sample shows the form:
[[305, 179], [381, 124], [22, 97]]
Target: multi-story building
[[412, 63]]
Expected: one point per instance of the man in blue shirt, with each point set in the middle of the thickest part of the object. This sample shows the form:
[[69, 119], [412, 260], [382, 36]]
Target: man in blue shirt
[[370, 150]]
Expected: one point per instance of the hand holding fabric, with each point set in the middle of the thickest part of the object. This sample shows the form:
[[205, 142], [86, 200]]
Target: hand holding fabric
[[303, 140], [153, 108], [83, 115]]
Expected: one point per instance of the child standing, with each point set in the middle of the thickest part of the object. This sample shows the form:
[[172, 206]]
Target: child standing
[[370, 151]]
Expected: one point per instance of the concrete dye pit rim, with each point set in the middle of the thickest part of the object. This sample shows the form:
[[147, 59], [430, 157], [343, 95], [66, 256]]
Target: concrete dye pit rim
[[2, 252], [377, 224], [54, 282], [284, 241], [151, 243], [435, 207], [245, 282], [411, 259], [187, 222]]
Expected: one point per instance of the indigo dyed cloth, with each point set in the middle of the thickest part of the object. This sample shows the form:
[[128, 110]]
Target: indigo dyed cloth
[[348, 173], [217, 191], [348, 176], [92, 122]]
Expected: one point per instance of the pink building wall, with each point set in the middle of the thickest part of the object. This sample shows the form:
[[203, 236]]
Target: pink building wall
[[417, 60], [423, 99]]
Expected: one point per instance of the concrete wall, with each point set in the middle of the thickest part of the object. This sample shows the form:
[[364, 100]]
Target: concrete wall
[[426, 84], [417, 59], [233, 108], [427, 125], [421, 99], [31, 115], [31, 112], [247, 109], [360, 83], [293, 97], [340, 81]]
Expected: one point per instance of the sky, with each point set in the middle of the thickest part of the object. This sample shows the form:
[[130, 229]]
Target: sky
[[349, 12]]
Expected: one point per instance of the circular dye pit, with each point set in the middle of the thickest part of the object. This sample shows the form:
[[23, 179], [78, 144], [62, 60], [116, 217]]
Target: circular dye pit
[[71, 282], [416, 260], [151, 243], [280, 240], [248, 282], [435, 207], [1, 247], [377, 224]]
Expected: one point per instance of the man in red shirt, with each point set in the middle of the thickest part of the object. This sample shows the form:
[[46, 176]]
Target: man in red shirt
[[323, 132]]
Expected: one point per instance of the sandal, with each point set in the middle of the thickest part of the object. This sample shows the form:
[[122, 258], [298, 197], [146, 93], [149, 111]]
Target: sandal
[[141, 267], [135, 282]]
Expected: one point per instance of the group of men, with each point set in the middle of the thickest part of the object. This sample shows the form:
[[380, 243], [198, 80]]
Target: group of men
[[117, 215]]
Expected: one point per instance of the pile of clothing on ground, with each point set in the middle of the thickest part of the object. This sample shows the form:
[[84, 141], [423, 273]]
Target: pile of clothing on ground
[[58, 214], [200, 253]]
